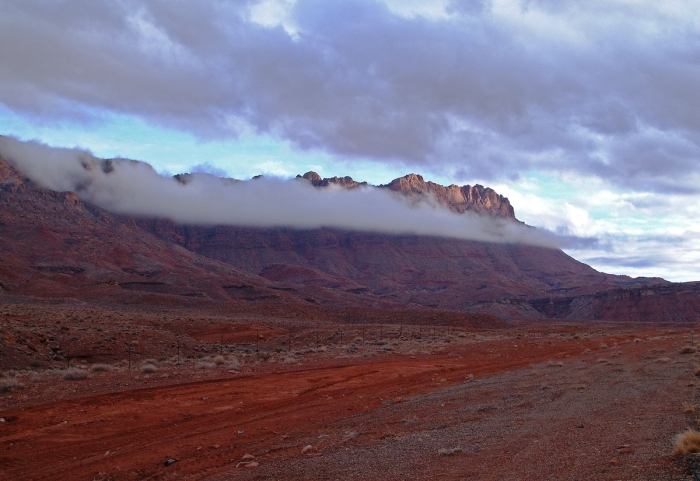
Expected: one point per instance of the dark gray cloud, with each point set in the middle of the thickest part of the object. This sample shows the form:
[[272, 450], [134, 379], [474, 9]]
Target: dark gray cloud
[[604, 88]]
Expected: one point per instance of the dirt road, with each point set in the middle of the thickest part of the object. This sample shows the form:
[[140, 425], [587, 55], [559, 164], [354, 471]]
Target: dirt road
[[593, 407]]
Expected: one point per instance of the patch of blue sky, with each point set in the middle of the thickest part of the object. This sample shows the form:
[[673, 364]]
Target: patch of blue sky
[[169, 151]]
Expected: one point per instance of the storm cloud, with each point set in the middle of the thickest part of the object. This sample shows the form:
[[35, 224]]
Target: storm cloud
[[474, 89], [135, 188]]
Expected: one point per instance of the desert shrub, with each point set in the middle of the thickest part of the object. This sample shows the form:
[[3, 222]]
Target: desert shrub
[[664, 359], [554, 364], [687, 442], [686, 350], [8, 385], [101, 367], [218, 360], [688, 408], [74, 374], [148, 368], [205, 365]]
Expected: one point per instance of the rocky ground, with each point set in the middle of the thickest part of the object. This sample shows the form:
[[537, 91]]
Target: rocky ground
[[258, 398]]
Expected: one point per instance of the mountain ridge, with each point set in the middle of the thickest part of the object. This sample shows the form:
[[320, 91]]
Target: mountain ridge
[[56, 245]]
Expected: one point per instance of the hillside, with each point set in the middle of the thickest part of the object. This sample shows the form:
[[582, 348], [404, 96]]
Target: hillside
[[56, 245]]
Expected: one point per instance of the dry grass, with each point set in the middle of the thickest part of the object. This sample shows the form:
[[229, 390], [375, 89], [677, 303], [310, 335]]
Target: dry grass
[[148, 368], [218, 360], [686, 350], [449, 452], [688, 408], [8, 385], [102, 368], [74, 374], [687, 442]]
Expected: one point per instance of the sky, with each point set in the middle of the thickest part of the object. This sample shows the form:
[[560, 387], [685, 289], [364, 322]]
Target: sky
[[586, 115]]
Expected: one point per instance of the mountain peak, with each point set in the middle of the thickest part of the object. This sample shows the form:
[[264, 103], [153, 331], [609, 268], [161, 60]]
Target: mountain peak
[[478, 198], [317, 181]]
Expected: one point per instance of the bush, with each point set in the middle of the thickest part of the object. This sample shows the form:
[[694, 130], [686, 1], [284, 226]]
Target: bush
[[218, 360], [74, 374], [148, 368], [687, 442], [8, 385], [101, 368]]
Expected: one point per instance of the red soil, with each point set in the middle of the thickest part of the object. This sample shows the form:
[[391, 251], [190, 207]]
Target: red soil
[[578, 402]]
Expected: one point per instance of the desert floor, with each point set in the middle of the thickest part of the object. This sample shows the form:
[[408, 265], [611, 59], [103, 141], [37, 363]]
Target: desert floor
[[256, 398]]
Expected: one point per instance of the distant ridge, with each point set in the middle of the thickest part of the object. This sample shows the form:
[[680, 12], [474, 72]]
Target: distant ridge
[[478, 198], [56, 245]]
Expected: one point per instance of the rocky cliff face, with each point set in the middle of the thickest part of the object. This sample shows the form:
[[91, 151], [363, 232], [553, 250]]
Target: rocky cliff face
[[53, 244], [668, 302], [459, 199], [480, 199], [359, 268], [317, 181]]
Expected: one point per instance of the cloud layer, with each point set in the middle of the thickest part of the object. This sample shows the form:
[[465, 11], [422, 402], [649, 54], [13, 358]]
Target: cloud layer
[[134, 188], [478, 89]]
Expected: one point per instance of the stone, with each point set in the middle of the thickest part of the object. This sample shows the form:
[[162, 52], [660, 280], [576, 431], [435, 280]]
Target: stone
[[309, 449]]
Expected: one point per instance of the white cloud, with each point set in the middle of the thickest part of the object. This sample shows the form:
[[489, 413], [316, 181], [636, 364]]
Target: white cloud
[[134, 188]]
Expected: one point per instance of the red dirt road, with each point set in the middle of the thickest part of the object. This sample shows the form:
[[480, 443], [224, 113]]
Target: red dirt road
[[208, 426]]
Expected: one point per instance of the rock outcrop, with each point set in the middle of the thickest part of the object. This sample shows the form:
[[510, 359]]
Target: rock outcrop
[[478, 198], [483, 200], [317, 181]]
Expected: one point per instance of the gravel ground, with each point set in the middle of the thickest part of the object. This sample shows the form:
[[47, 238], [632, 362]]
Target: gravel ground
[[587, 417]]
